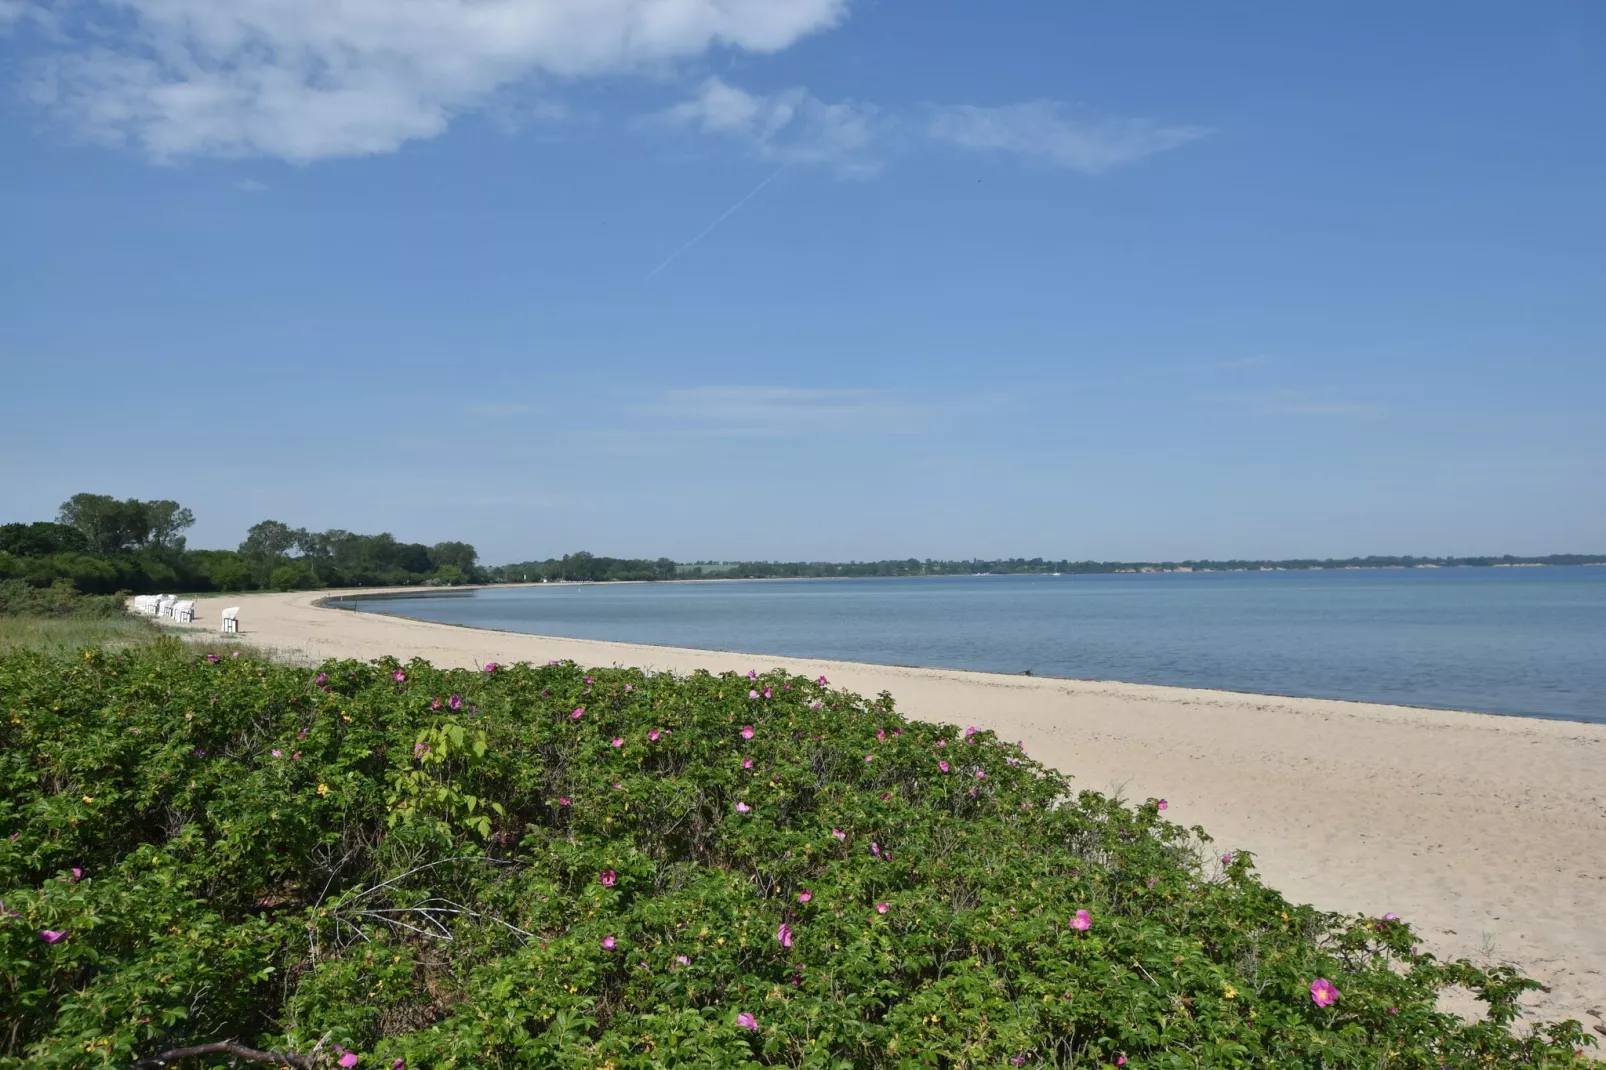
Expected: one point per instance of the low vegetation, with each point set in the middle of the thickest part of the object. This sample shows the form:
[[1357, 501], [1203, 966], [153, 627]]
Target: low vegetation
[[390, 865], [60, 600]]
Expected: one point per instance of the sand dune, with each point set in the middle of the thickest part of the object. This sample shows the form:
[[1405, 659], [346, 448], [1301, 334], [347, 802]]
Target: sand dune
[[1487, 833]]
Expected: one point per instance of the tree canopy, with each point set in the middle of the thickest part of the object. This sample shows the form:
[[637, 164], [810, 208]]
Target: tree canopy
[[110, 526], [99, 544]]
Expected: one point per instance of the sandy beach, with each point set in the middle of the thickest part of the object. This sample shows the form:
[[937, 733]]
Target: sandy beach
[[1486, 833]]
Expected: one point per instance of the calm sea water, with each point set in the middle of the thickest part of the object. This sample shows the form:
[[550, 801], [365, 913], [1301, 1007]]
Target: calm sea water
[[1526, 641]]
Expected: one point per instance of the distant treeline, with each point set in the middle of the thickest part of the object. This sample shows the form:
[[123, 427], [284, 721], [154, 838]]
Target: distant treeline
[[101, 545], [1039, 565], [584, 567], [590, 568]]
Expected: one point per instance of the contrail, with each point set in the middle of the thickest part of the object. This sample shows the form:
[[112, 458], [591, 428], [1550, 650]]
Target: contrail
[[726, 214]]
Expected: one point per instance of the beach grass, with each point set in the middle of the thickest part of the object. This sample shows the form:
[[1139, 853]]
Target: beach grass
[[59, 634]]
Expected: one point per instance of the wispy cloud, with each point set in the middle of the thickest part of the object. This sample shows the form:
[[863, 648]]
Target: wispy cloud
[[781, 411], [251, 185], [307, 79], [1056, 134], [855, 138], [1287, 402], [789, 127]]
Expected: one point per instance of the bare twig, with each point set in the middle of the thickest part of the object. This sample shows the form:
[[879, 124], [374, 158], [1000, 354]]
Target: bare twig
[[428, 911], [432, 865], [226, 1047]]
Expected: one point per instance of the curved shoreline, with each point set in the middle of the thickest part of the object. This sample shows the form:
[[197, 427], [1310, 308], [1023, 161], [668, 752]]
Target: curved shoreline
[[325, 603], [1483, 830]]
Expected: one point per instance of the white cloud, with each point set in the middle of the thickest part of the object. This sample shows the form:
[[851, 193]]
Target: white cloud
[[766, 411], [305, 79], [1055, 133], [251, 185], [792, 126]]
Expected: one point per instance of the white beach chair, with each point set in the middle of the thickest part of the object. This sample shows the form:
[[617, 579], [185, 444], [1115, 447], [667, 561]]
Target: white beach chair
[[142, 603], [184, 611], [165, 606], [231, 619]]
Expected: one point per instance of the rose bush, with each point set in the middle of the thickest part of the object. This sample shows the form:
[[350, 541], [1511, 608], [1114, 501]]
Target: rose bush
[[452, 869]]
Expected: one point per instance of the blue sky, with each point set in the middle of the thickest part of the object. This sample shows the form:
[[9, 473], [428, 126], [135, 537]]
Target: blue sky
[[1114, 281]]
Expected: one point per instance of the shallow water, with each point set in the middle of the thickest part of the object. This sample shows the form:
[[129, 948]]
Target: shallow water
[[1526, 641]]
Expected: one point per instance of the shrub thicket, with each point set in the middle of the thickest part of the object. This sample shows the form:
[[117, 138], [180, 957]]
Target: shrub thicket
[[543, 866], [60, 599]]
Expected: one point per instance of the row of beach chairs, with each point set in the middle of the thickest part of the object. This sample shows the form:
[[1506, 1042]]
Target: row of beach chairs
[[165, 605], [181, 610]]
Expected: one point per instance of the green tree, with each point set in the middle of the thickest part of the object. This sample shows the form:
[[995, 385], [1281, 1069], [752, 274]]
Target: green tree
[[292, 577], [265, 549], [108, 525], [458, 554], [163, 522], [222, 570], [41, 539], [268, 539]]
